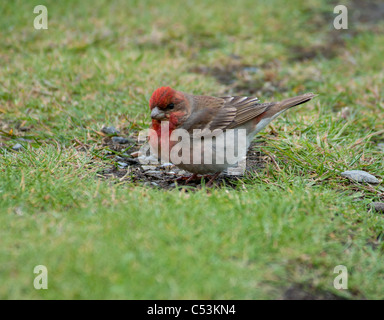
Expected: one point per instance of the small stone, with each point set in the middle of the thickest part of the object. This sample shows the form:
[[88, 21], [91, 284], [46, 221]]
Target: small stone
[[146, 168], [153, 173], [122, 165], [381, 146], [147, 159], [120, 140], [135, 154], [378, 206], [149, 184], [110, 130], [17, 147], [166, 165], [360, 176]]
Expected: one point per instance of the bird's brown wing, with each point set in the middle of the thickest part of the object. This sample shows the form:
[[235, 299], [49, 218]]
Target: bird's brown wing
[[211, 113], [223, 113], [237, 111]]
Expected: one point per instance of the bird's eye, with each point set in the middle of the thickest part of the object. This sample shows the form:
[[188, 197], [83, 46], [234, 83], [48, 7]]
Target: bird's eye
[[170, 106]]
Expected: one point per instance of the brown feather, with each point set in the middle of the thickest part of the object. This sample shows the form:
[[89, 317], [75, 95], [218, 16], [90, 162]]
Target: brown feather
[[229, 112]]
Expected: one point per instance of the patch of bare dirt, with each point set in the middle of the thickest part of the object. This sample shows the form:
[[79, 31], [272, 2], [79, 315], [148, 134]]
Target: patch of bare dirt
[[12, 133], [263, 80], [362, 16], [245, 79], [333, 47], [129, 169], [369, 12]]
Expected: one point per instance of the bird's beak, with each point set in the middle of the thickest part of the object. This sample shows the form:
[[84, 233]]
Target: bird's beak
[[157, 114]]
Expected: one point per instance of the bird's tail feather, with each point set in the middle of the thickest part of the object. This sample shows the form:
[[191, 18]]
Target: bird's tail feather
[[295, 101]]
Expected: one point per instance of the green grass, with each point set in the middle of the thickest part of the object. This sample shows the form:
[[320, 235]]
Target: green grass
[[285, 226]]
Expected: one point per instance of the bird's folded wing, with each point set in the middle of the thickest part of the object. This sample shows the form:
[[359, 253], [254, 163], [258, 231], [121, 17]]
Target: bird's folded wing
[[242, 110], [215, 114]]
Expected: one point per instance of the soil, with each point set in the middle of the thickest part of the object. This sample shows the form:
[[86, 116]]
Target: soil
[[164, 176], [244, 79]]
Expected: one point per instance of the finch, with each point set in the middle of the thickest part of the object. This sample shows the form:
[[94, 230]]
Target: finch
[[194, 113]]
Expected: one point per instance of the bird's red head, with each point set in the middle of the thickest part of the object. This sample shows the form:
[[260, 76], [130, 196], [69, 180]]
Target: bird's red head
[[167, 104], [162, 97]]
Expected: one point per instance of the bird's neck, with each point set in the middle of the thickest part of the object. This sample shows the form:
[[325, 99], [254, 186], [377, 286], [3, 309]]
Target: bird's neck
[[173, 124]]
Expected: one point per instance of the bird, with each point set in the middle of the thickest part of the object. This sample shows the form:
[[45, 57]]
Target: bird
[[201, 113]]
